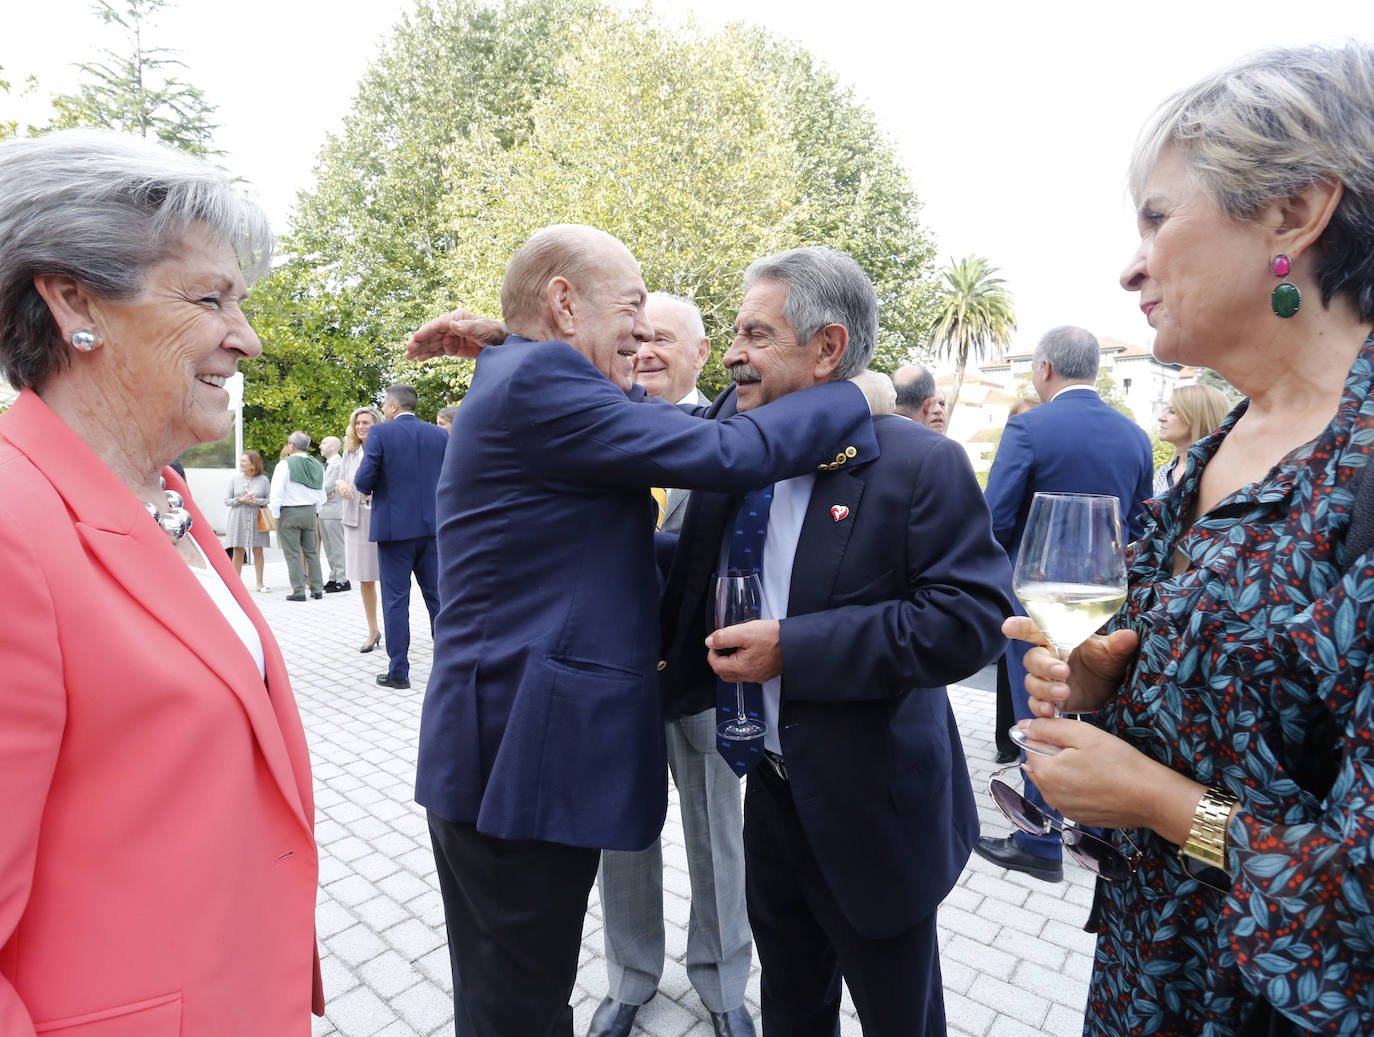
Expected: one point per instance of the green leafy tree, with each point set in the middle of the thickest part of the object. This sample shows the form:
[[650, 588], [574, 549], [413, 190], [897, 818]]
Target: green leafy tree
[[974, 313], [1111, 393], [10, 127], [136, 89], [701, 151]]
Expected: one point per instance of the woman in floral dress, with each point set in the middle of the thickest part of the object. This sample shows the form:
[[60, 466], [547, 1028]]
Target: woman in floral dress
[[1236, 688]]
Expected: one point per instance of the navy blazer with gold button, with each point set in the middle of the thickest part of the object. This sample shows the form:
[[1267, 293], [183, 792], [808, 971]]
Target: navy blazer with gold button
[[890, 600], [542, 717]]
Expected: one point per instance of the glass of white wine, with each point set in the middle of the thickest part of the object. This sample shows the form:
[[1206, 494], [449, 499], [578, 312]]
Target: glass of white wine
[[1070, 573]]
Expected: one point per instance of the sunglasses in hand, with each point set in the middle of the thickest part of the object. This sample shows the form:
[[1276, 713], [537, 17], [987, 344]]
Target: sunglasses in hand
[[1093, 852]]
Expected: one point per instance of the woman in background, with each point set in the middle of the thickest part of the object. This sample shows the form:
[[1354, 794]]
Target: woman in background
[[1193, 411], [247, 497], [360, 553]]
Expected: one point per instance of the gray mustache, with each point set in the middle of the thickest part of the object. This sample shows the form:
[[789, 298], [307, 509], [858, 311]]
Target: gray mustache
[[743, 374]]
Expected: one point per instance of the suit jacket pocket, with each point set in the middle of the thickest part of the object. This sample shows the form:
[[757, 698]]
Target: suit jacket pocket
[[151, 1017], [877, 589]]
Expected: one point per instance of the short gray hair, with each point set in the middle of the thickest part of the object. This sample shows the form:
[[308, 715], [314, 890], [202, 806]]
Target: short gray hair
[[404, 396], [101, 208], [1073, 352], [697, 326], [824, 286], [299, 440], [1271, 125]]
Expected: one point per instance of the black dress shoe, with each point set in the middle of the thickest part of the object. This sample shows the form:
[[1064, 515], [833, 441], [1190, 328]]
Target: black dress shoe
[[734, 1023], [331, 587], [317, 595], [1008, 755], [1009, 855], [388, 681], [612, 1019], [345, 586], [295, 597]]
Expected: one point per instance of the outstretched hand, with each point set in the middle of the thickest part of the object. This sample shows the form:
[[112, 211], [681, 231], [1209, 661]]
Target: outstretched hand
[[457, 333]]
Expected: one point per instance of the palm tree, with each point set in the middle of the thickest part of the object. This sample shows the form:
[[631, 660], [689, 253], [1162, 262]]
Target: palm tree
[[974, 311]]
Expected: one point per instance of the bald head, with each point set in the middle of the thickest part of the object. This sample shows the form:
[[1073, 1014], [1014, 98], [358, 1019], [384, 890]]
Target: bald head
[[578, 285], [918, 397]]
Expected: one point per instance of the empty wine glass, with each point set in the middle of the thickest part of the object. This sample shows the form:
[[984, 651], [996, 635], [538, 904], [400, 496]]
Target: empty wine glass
[[738, 598]]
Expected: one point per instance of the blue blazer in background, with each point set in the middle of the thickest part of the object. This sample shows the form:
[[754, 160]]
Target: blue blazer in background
[[542, 717], [1073, 444], [401, 464]]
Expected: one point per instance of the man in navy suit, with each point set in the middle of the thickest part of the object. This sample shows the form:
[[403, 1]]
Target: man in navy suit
[[401, 470], [541, 739], [881, 584], [1071, 443]]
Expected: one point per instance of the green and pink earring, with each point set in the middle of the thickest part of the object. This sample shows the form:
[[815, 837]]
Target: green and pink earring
[[1286, 298]]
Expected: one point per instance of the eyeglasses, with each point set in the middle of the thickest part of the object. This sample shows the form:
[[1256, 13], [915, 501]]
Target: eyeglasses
[[1094, 853]]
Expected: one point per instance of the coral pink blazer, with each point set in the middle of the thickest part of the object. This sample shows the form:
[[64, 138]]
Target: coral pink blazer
[[157, 858]]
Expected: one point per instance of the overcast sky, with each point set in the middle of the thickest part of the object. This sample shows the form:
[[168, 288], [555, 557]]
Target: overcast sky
[[1015, 120]]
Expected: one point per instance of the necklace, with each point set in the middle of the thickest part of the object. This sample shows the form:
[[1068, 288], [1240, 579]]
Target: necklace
[[176, 521]]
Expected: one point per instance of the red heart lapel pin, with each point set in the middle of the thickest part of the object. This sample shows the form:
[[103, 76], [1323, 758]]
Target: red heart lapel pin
[[839, 511]]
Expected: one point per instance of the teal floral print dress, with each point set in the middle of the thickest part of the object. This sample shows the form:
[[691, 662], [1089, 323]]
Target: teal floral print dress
[[1255, 674]]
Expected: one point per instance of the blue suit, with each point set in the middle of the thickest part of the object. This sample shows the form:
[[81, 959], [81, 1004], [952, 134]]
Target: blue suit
[[847, 860], [400, 468], [1073, 444], [542, 724]]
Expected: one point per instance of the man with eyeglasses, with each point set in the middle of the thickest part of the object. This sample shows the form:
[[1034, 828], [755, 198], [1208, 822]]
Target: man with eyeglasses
[[882, 583]]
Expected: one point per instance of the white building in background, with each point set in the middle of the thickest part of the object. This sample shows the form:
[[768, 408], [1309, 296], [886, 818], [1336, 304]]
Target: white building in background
[[989, 390]]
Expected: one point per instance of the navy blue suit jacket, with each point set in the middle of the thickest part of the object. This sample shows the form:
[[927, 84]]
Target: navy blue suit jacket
[[542, 718], [1073, 444], [401, 465], [902, 596]]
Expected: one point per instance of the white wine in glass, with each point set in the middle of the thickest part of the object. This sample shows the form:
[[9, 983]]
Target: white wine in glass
[[1070, 573]]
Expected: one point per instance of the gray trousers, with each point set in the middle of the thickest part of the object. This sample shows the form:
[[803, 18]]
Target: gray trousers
[[332, 535], [296, 535], [719, 944]]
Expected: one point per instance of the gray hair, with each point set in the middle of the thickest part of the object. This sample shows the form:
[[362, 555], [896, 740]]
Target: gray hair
[[695, 324], [101, 208], [913, 394], [1073, 352], [1271, 125], [404, 396], [299, 440], [824, 286]]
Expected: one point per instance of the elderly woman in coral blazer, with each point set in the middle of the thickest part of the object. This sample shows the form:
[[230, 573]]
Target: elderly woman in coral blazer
[[157, 862]]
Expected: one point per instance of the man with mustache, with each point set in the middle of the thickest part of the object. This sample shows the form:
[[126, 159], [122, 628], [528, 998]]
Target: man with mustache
[[881, 584], [541, 738]]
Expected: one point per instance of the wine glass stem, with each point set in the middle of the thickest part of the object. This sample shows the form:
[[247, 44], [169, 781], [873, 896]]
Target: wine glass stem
[[739, 702], [1062, 655]]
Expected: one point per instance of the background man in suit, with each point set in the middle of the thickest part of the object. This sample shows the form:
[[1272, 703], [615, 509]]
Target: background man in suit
[[882, 583], [1072, 443], [541, 740], [296, 497], [918, 397], [401, 470], [718, 945]]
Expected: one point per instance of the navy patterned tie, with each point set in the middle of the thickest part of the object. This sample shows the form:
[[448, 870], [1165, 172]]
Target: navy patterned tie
[[746, 552]]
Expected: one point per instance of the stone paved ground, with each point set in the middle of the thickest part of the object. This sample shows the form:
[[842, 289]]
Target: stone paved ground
[[1014, 955]]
